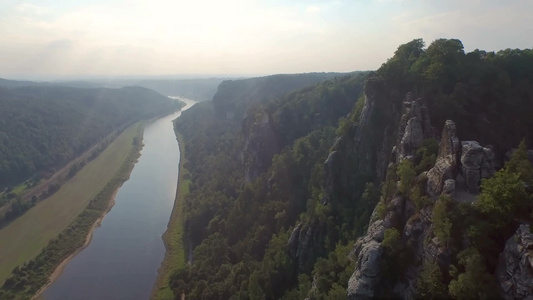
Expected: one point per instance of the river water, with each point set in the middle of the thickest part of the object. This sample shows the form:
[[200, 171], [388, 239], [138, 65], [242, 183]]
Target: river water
[[126, 251]]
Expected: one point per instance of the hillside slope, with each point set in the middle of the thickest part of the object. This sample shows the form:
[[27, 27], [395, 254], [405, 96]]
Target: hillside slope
[[339, 190], [42, 128]]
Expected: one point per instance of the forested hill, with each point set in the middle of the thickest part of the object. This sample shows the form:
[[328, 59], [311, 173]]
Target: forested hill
[[234, 97], [200, 89], [6, 83], [276, 205], [42, 128], [230, 224]]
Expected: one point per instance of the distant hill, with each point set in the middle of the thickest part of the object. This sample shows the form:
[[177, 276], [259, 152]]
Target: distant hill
[[42, 128], [195, 89], [235, 96], [18, 83], [202, 89]]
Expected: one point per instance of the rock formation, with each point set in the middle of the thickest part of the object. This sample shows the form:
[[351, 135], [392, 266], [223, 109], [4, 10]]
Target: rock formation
[[515, 267], [261, 143], [477, 163], [447, 161], [368, 148], [369, 253], [414, 127], [300, 246]]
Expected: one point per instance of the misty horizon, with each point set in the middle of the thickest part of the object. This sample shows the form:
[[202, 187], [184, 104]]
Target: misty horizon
[[61, 40], [162, 77]]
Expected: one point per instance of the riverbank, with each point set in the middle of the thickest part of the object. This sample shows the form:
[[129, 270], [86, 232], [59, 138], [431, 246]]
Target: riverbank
[[59, 270], [173, 237], [40, 191], [33, 276]]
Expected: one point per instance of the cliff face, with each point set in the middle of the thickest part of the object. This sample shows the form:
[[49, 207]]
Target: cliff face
[[457, 172], [414, 127], [261, 143], [515, 267], [388, 131], [234, 97], [367, 146], [285, 183], [352, 161], [402, 137], [270, 126], [446, 166]]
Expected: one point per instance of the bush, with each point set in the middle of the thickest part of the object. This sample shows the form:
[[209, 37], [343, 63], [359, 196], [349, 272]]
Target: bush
[[442, 224], [475, 282], [430, 282], [502, 196], [406, 172], [418, 193], [427, 154]]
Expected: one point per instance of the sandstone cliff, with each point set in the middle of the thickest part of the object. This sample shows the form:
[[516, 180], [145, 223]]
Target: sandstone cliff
[[457, 172]]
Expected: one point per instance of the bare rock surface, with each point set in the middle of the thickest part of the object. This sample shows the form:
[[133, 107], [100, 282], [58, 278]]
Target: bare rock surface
[[414, 127], [447, 161], [515, 267], [369, 252], [477, 163]]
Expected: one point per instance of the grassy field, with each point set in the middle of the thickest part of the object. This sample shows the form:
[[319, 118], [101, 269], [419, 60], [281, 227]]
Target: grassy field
[[173, 237], [24, 238]]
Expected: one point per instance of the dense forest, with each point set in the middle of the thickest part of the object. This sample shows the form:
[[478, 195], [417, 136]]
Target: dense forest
[[43, 128], [285, 180]]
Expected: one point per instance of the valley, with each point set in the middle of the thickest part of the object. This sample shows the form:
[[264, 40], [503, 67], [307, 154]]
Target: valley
[[410, 181]]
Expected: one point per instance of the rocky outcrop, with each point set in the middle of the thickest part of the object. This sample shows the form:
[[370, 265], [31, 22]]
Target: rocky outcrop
[[477, 163], [261, 143], [363, 152], [446, 166], [515, 267], [300, 246], [363, 282], [331, 167], [369, 253], [366, 148], [293, 241], [416, 232], [373, 139], [414, 127], [449, 187]]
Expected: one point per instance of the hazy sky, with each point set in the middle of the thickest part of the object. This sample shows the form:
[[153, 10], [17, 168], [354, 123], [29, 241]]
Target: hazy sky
[[54, 38]]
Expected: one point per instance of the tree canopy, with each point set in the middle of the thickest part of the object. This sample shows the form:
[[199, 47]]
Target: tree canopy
[[42, 128]]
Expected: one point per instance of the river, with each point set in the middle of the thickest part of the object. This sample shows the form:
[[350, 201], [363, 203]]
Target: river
[[126, 251]]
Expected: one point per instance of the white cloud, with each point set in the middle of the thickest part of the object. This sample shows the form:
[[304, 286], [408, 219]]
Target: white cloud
[[31, 9], [239, 36], [312, 9]]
